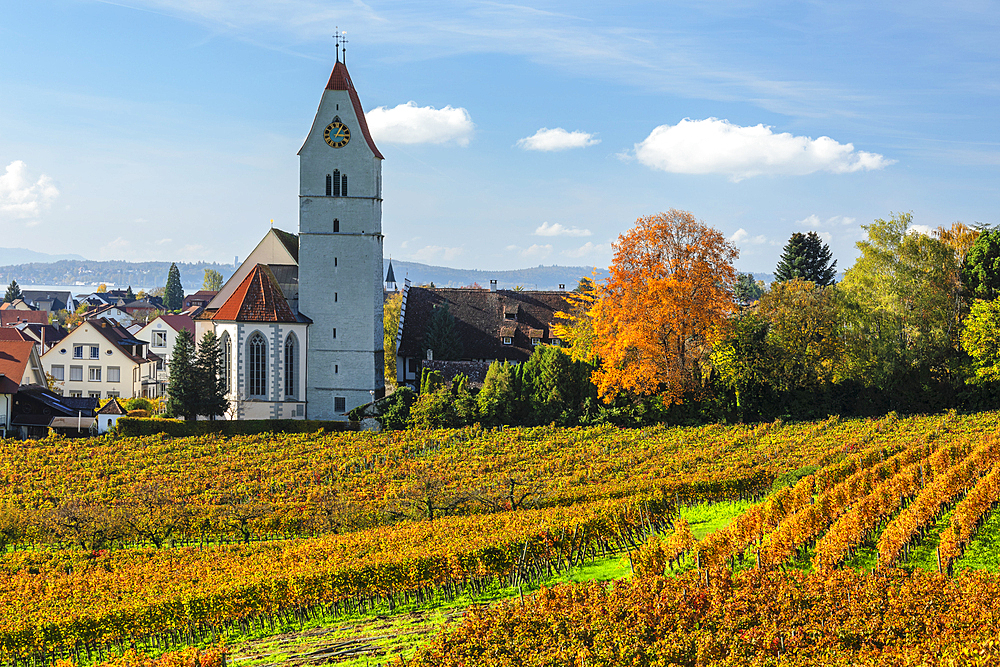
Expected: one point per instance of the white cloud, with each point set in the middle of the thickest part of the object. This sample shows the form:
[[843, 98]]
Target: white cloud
[[813, 221], [586, 249], [410, 124], [743, 236], [919, 229], [435, 253], [714, 146], [537, 250], [556, 139], [559, 230], [21, 197]]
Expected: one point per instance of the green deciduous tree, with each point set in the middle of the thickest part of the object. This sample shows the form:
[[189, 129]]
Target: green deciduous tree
[[981, 339], [13, 292], [807, 257], [441, 335], [173, 295], [183, 393], [744, 359], [212, 281], [210, 382], [390, 326], [981, 269]]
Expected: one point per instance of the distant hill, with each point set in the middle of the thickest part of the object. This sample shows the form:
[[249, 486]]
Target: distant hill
[[25, 256], [537, 278], [140, 275]]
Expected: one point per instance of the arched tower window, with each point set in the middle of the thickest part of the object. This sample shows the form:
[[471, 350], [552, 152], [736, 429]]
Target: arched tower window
[[336, 182], [291, 366], [336, 225], [329, 185], [227, 354], [343, 185], [257, 366]]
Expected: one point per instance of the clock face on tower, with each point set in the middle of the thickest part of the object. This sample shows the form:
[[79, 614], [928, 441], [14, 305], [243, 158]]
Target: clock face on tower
[[336, 134]]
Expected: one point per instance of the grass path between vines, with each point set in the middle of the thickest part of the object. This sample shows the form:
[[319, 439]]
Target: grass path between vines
[[377, 639]]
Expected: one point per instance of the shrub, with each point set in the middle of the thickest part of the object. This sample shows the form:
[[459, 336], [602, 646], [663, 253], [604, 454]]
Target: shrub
[[135, 426]]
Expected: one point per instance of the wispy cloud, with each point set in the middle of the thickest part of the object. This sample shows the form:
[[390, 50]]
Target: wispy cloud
[[545, 229], [534, 251], [586, 250], [742, 236], [714, 146], [556, 139], [410, 124], [435, 253], [22, 196], [813, 221]]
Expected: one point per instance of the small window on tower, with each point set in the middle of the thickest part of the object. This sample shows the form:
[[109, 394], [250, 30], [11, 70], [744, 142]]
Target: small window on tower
[[335, 332], [335, 261], [343, 185], [329, 185], [339, 404], [336, 225], [335, 297], [336, 368], [336, 182]]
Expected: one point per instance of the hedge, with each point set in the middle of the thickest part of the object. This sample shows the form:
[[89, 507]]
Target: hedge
[[138, 426]]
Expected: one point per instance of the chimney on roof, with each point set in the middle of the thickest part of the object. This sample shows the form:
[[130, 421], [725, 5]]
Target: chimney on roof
[[493, 286], [562, 287]]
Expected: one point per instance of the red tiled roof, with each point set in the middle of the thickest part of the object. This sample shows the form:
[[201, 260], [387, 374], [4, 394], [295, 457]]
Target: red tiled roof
[[11, 333], [341, 80], [178, 322], [257, 299], [14, 356], [15, 316]]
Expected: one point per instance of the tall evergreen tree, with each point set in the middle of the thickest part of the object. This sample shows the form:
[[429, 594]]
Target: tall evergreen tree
[[129, 295], [173, 294], [441, 335], [211, 384], [13, 292], [183, 390], [806, 256], [746, 290]]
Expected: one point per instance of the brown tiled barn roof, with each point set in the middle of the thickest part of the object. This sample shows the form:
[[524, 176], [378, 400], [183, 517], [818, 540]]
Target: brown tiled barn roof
[[480, 319]]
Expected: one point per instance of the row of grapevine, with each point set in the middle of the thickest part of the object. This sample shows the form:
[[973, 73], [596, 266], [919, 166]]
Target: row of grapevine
[[755, 618], [161, 597], [927, 507], [968, 517]]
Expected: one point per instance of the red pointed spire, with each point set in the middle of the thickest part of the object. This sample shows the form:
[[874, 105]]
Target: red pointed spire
[[340, 79]]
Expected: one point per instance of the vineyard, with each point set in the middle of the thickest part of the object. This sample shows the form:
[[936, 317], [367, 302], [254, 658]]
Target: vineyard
[[153, 544]]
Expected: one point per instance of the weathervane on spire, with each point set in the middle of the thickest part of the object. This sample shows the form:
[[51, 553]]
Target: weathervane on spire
[[340, 40]]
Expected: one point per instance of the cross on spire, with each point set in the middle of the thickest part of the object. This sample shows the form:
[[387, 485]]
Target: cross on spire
[[340, 40]]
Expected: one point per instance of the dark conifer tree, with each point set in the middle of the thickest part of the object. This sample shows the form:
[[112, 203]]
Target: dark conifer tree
[[211, 383], [183, 391], [806, 257], [173, 294], [13, 292], [441, 335]]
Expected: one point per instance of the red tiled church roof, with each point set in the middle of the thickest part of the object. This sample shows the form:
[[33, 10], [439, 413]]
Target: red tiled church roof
[[341, 80], [257, 299]]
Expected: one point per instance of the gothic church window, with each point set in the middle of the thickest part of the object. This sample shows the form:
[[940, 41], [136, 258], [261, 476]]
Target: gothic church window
[[329, 185], [257, 366], [227, 355], [336, 226], [336, 182], [291, 365], [343, 185]]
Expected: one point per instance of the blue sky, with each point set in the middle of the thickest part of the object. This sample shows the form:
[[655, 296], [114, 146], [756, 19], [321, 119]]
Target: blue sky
[[514, 135]]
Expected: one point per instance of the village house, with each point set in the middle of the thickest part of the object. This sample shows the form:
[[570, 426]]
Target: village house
[[20, 365], [162, 334], [100, 359]]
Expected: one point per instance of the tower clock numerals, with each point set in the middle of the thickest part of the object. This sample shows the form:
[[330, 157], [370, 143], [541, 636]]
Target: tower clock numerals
[[337, 134]]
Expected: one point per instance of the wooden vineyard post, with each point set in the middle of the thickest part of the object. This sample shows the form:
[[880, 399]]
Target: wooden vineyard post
[[938, 551]]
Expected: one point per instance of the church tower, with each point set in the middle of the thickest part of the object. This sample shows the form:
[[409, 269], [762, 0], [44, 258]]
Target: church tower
[[340, 253]]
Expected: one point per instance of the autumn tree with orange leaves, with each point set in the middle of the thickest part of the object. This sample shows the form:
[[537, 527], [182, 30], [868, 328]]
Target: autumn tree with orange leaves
[[663, 306]]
